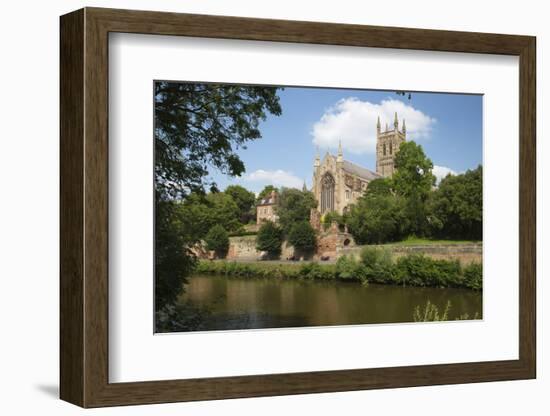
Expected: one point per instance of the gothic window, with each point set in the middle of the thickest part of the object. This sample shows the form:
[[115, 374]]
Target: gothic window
[[327, 193], [347, 194], [391, 148], [384, 149]]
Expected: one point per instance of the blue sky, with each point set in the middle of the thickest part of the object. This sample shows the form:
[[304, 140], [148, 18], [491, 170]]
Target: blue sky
[[447, 126]]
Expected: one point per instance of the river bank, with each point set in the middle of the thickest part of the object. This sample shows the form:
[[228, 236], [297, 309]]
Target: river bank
[[371, 266]]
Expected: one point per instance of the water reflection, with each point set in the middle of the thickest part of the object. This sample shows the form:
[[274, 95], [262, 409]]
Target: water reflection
[[237, 303]]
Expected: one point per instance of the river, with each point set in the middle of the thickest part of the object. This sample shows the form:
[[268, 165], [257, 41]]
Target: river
[[245, 303]]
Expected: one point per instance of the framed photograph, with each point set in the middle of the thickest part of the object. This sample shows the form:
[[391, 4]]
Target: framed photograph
[[255, 207]]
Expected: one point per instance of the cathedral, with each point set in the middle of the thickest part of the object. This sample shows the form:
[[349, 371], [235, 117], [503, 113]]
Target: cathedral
[[338, 183]]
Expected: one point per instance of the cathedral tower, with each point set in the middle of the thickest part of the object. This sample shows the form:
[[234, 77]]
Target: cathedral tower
[[387, 145]]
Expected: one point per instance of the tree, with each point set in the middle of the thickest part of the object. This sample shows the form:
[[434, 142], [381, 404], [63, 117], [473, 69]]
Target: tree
[[294, 206], [380, 186], [217, 240], [414, 181], [201, 125], [266, 192], [456, 207], [377, 219], [413, 177], [173, 258], [302, 237], [269, 239], [204, 211], [244, 200], [197, 126]]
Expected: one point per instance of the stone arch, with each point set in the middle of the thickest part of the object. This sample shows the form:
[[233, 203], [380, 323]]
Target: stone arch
[[328, 186]]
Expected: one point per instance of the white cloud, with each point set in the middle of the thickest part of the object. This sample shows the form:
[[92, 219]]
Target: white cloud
[[442, 171], [354, 123], [277, 178]]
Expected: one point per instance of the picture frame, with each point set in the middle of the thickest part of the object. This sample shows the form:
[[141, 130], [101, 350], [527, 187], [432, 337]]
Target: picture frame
[[84, 216]]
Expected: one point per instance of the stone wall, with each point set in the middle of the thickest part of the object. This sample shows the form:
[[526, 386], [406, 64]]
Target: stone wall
[[244, 248], [465, 253]]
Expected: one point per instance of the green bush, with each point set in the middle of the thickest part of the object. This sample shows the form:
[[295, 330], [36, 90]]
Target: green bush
[[302, 237], [419, 270], [377, 265], [217, 240], [347, 268], [331, 216], [269, 239], [374, 266], [315, 271], [473, 276]]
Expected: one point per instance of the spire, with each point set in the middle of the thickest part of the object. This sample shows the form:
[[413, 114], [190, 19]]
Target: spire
[[396, 122], [340, 152], [378, 125], [317, 162], [304, 188], [404, 127]]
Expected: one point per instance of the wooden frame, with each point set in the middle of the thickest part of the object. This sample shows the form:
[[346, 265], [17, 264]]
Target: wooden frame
[[84, 207]]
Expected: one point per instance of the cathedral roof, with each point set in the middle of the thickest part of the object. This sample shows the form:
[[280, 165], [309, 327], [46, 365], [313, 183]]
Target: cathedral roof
[[359, 171]]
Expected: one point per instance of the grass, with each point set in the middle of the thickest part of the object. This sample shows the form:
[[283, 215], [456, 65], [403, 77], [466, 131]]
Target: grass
[[416, 241]]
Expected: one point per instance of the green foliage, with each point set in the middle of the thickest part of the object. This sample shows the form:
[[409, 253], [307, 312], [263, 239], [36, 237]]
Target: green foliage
[[431, 313], [414, 181], [205, 211], [179, 317], [408, 204], [376, 219], [420, 270], [217, 240], [413, 177], [266, 192], [330, 217], [456, 207], [347, 268], [380, 187], [374, 266], [196, 125], [314, 271], [269, 239], [173, 259], [377, 265], [473, 276], [302, 237], [294, 206], [200, 125], [244, 200]]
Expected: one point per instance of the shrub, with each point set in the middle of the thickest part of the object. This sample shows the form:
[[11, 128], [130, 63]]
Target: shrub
[[217, 240], [315, 271], [331, 216], [347, 268], [473, 276], [269, 239], [419, 270], [302, 237], [377, 265]]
